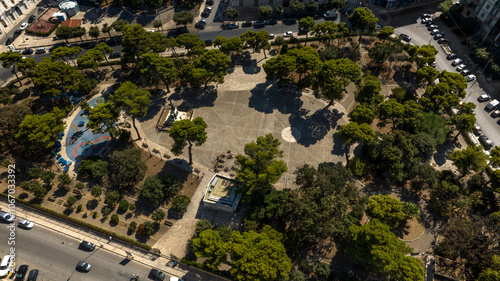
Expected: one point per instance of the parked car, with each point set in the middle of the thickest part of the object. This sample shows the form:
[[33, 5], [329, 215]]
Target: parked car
[[6, 265], [461, 67], [225, 2], [17, 33], [429, 22], [477, 130], [208, 43], [23, 26], [451, 56], [156, 274], [443, 41], [465, 72], [259, 24], [437, 36], [405, 37], [40, 50], [431, 27], [87, 246], [33, 275], [288, 34], [435, 31], [425, 16], [200, 24], [25, 224], [27, 51], [208, 9], [9, 40], [234, 25], [271, 36], [21, 272], [426, 20], [205, 14], [470, 77], [271, 22], [209, 2], [246, 24], [456, 62], [484, 97], [495, 113], [6, 217], [83, 266], [32, 19], [487, 143]]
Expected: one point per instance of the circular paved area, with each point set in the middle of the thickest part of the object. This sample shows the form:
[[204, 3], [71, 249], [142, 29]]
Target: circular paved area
[[304, 125], [81, 142]]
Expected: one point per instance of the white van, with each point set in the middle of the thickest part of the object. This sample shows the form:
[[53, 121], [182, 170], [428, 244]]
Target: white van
[[6, 265], [330, 14]]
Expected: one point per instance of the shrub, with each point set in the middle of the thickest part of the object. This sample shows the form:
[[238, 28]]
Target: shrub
[[106, 211], [149, 228], [180, 203], [112, 197], [96, 191], [131, 207], [140, 229], [158, 215], [132, 226], [79, 186], [358, 166], [71, 201], [123, 207], [202, 225], [114, 219], [95, 214], [79, 208]]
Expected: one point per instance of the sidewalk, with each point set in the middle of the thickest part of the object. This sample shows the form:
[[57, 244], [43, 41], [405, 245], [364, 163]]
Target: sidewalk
[[139, 255]]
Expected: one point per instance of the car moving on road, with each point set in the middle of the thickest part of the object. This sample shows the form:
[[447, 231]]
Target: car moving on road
[[26, 224], [83, 266], [87, 246], [156, 275], [6, 217]]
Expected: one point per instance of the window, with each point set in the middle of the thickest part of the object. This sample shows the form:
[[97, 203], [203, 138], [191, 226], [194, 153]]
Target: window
[[3, 23], [482, 15], [13, 3], [488, 7], [12, 17], [5, 5]]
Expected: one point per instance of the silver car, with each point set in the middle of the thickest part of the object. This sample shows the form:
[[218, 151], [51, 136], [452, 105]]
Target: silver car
[[461, 67], [26, 224], [6, 217], [83, 266]]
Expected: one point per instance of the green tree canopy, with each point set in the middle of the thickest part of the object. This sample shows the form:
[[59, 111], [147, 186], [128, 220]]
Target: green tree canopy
[[152, 190], [210, 245], [126, 167], [40, 131], [352, 132], [470, 159], [183, 18], [387, 209], [232, 13], [362, 19], [260, 167], [187, 132], [133, 100], [11, 59], [258, 256], [265, 10], [378, 249], [333, 76], [53, 77]]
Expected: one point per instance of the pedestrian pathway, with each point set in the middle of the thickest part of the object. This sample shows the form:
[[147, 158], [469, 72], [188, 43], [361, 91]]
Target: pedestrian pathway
[[139, 255]]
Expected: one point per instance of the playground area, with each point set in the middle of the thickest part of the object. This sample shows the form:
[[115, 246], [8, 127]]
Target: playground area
[[81, 142]]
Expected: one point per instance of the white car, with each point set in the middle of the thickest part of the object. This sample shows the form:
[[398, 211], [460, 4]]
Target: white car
[[6, 217], [26, 224], [435, 31], [456, 62], [6, 265], [484, 97], [470, 77], [271, 36], [288, 34], [461, 67], [208, 9], [24, 25]]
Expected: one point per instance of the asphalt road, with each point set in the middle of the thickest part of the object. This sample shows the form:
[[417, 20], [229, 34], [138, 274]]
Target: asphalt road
[[56, 256]]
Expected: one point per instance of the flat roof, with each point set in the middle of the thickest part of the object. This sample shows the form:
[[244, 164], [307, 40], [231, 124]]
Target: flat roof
[[221, 190]]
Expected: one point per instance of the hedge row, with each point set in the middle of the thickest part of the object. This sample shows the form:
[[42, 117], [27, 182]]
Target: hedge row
[[81, 223], [43, 33]]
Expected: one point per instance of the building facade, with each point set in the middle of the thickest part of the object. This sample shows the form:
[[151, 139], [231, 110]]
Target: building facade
[[11, 10], [255, 4], [487, 12]]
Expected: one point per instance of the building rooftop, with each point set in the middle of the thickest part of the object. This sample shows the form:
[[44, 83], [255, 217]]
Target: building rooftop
[[221, 190]]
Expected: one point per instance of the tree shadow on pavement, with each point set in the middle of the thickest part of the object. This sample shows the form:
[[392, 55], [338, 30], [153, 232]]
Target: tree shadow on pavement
[[285, 100], [316, 126], [442, 152], [195, 97]]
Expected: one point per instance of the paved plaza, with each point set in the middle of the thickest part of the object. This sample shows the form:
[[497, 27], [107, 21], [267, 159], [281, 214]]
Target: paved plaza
[[304, 125]]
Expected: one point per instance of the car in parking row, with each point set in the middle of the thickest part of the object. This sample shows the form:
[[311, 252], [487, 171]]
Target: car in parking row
[[486, 142], [405, 37]]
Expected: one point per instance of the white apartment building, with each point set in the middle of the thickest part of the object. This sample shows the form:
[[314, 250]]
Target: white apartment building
[[11, 10], [487, 12]]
